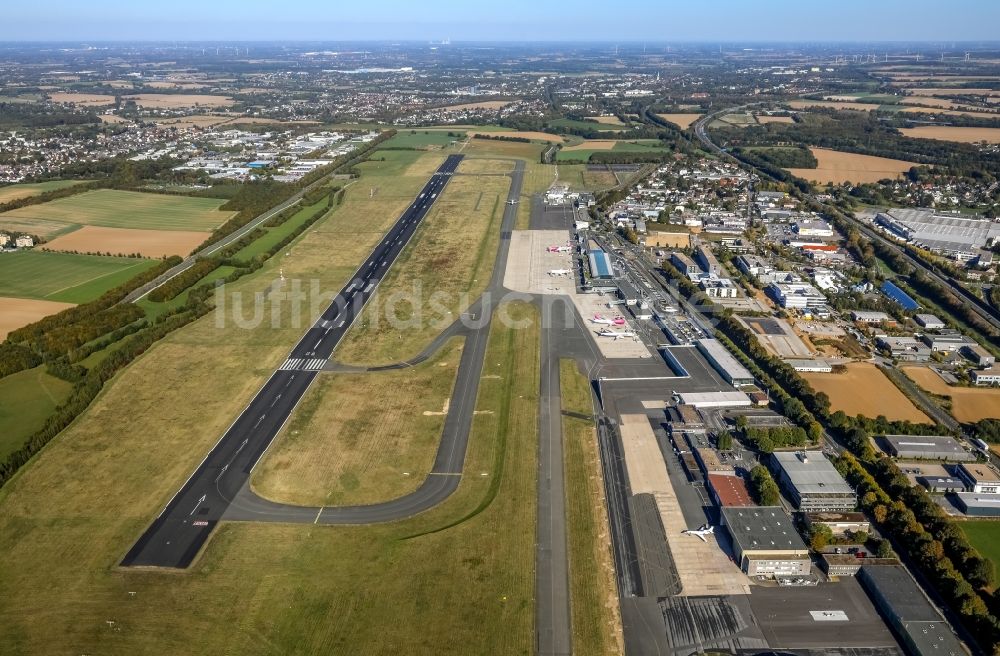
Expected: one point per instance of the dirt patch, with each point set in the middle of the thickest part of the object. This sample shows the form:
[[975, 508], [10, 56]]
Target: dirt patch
[[950, 133], [606, 120], [836, 166], [832, 104], [593, 144], [19, 312], [148, 243], [669, 239], [863, 389], [764, 120], [88, 99], [683, 121], [525, 134], [173, 100], [486, 104], [968, 404]]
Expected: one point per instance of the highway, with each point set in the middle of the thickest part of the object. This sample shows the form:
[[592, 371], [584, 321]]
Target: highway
[[185, 524]]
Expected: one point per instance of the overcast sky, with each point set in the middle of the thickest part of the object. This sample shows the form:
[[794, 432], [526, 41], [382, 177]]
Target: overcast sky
[[505, 20]]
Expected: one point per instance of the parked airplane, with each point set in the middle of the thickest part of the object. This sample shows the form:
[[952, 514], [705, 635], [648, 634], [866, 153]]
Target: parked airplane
[[701, 532], [617, 321], [616, 334], [512, 202], [559, 249], [560, 272]]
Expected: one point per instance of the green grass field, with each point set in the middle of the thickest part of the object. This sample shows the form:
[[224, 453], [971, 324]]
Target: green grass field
[[422, 139], [27, 398], [585, 125], [64, 276], [127, 209], [427, 585], [275, 234], [632, 146], [593, 595], [985, 537], [17, 191]]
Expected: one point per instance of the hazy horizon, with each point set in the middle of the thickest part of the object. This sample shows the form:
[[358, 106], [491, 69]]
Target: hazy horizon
[[770, 21]]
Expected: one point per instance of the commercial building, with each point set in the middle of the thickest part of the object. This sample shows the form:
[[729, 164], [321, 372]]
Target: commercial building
[[709, 461], [812, 481], [600, 265], [916, 622], [840, 564], [947, 342], [989, 376], [929, 321], [978, 356], [980, 478], [766, 542], [927, 447], [716, 287], [706, 258], [733, 399], [865, 316], [753, 265], [803, 364], [901, 298], [728, 366], [941, 483], [813, 228], [840, 523], [627, 292], [685, 264], [978, 505], [956, 235], [908, 349], [795, 294], [729, 491]]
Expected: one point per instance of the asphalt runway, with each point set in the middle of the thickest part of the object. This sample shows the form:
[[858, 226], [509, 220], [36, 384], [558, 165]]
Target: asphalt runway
[[185, 524]]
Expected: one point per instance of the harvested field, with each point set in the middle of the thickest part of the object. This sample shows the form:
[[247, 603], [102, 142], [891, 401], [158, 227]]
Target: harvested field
[[606, 120], [831, 104], [593, 144], [127, 209], [669, 239], [148, 243], [968, 404], [18, 191], [836, 166], [931, 102], [185, 122], [950, 133], [949, 112], [764, 120], [87, 99], [683, 121], [176, 85], [112, 119], [539, 136], [486, 104], [174, 100], [932, 91], [18, 312], [863, 389]]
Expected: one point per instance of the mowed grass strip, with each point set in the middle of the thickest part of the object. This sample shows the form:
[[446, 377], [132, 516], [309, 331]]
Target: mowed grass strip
[[593, 596], [264, 588], [27, 398], [985, 537], [445, 267], [361, 438], [27, 190], [65, 277], [128, 209]]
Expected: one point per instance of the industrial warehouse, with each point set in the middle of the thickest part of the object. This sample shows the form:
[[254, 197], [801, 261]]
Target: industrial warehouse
[[812, 481], [765, 541]]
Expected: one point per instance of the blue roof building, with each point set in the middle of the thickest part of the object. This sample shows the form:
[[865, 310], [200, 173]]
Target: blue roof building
[[600, 265], [898, 295]]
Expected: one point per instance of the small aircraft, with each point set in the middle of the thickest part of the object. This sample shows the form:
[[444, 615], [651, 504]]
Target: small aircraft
[[701, 532], [559, 249], [617, 321], [560, 272], [616, 334], [512, 202]]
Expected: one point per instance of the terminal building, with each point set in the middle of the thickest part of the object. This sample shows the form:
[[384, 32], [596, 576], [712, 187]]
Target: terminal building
[[812, 481], [927, 447], [766, 542], [728, 366], [600, 265], [918, 625]]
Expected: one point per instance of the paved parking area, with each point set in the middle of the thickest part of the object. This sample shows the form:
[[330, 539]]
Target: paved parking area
[[591, 305], [703, 567]]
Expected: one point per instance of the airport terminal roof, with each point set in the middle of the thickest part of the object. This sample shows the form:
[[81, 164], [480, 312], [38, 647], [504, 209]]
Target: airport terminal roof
[[600, 264], [811, 473], [764, 528]]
